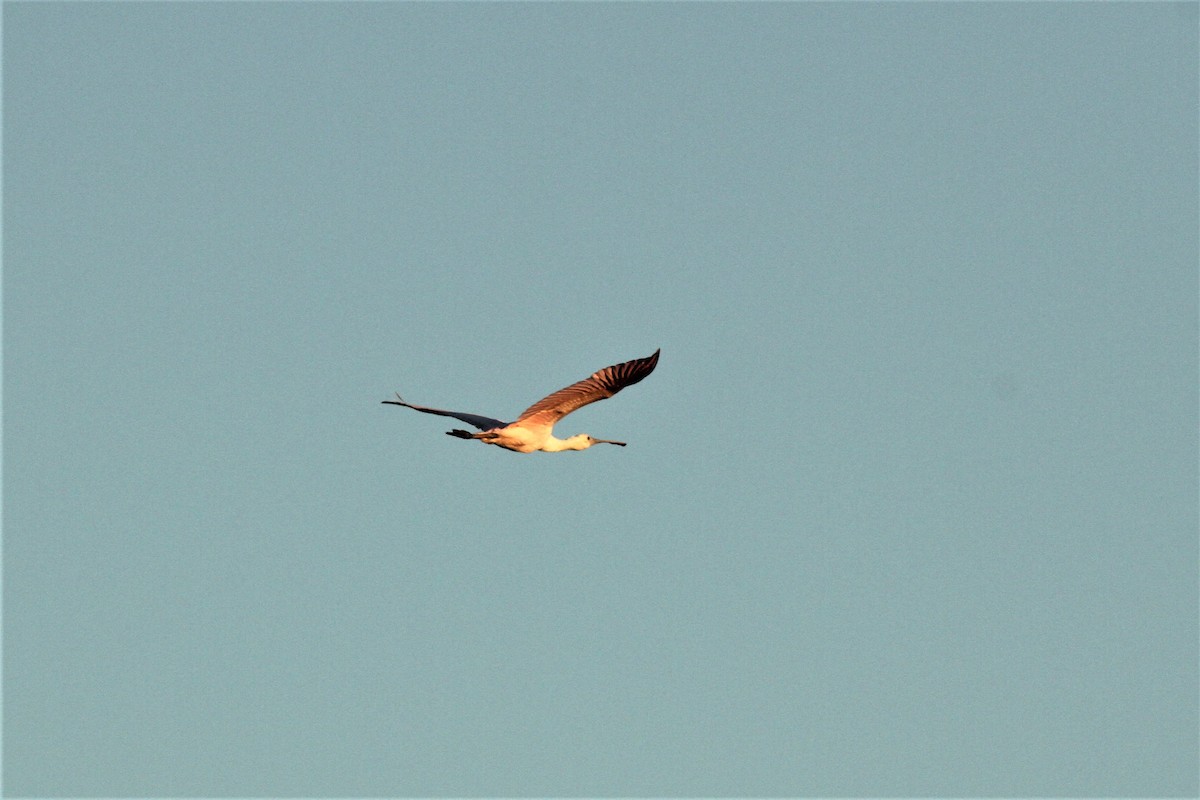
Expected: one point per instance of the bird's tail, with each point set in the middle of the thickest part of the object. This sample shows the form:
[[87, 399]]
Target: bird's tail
[[461, 434]]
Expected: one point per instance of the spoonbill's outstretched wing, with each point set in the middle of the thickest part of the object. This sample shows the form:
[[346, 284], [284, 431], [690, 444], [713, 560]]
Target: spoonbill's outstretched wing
[[482, 423], [602, 384]]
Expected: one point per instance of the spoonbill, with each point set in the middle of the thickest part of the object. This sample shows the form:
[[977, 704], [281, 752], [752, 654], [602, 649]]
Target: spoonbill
[[532, 430]]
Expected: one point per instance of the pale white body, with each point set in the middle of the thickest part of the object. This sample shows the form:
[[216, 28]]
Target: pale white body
[[528, 440], [533, 429]]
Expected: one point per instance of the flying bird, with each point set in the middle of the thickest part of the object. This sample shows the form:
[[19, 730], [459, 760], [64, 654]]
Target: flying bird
[[532, 430]]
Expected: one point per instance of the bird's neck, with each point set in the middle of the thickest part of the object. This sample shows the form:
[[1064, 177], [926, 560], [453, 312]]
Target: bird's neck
[[555, 445]]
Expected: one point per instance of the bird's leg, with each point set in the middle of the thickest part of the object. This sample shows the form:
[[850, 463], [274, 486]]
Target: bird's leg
[[486, 436]]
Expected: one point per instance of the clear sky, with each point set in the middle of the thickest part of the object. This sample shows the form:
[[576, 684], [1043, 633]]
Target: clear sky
[[909, 506]]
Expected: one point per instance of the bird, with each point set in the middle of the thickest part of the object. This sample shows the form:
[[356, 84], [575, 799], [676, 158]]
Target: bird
[[532, 431]]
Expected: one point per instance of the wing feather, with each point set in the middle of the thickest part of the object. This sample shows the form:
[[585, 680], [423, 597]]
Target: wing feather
[[480, 422], [602, 384]]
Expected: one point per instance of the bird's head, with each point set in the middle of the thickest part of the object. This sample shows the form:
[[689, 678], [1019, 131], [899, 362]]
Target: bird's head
[[582, 441]]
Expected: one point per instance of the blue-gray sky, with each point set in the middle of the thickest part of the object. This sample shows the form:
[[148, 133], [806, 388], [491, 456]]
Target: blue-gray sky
[[909, 506]]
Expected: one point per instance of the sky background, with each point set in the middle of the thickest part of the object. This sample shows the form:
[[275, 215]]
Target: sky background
[[909, 506]]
